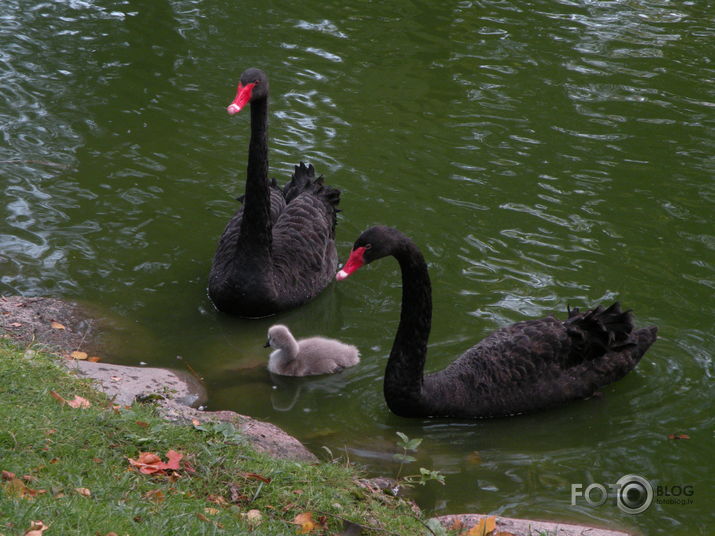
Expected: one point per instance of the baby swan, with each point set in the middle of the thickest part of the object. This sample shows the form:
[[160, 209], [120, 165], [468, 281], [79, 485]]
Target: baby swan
[[307, 357]]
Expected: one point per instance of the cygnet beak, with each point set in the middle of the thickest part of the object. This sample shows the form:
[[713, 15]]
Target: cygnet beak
[[268, 344]]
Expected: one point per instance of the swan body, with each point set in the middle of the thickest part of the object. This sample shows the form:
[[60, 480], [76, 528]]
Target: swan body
[[307, 357], [278, 250], [524, 367]]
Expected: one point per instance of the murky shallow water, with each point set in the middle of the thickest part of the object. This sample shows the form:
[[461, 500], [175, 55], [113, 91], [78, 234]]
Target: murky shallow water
[[541, 154]]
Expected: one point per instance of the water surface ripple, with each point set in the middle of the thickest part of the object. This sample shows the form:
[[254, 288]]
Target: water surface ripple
[[542, 154]]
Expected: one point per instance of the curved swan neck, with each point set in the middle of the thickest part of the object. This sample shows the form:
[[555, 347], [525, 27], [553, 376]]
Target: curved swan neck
[[256, 222], [404, 371]]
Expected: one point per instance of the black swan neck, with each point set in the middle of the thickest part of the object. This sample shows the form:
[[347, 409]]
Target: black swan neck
[[404, 372], [256, 223]]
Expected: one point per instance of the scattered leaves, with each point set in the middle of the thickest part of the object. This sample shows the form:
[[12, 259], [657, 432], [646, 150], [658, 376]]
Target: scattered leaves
[[678, 436], [56, 325]]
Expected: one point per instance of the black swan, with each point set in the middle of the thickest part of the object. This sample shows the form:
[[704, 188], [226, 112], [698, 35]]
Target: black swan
[[307, 357], [521, 368], [278, 251]]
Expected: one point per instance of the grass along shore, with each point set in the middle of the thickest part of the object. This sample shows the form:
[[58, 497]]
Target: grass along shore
[[69, 467]]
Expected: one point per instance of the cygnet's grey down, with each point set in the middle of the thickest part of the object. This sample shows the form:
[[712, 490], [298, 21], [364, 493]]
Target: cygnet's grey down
[[307, 357]]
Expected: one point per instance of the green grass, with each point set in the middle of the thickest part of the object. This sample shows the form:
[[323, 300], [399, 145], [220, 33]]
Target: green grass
[[55, 448]]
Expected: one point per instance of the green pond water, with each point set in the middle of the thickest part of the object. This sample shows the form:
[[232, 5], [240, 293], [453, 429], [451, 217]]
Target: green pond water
[[542, 154]]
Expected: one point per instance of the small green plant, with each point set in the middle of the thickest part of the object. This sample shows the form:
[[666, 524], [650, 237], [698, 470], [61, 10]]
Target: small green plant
[[224, 430], [425, 475]]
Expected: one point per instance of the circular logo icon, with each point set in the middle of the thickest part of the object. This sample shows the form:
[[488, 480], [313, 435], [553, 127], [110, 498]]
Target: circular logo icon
[[635, 494]]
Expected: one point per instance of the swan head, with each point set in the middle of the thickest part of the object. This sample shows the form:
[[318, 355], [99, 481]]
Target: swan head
[[375, 243], [279, 336], [253, 85]]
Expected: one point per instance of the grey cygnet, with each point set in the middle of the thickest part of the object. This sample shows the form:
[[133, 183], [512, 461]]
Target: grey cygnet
[[307, 357]]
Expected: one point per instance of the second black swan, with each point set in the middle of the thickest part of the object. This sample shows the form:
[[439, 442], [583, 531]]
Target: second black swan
[[278, 251], [521, 368]]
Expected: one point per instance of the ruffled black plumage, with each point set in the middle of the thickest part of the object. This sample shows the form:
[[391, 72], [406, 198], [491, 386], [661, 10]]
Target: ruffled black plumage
[[521, 368]]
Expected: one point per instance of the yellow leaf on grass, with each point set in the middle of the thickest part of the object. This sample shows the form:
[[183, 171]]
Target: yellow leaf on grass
[[211, 511], [78, 355], [56, 325], [484, 527], [305, 522], [84, 492]]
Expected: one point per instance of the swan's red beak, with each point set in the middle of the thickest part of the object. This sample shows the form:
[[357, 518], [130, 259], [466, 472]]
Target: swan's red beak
[[243, 95], [355, 261]]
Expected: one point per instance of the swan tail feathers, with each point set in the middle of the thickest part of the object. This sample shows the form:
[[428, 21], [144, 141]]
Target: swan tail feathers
[[599, 331], [304, 180]]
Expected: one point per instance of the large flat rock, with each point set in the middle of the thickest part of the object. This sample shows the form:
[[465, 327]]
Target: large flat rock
[[527, 527]]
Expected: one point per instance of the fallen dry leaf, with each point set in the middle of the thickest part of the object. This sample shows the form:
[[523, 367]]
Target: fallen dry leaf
[[15, 325], [94, 359], [58, 397], [80, 356], [255, 476], [17, 488], [7, 475], [84, 492], [305, 522], [678, 436], [78, 402], [253, 517], [202, 517], [211, 511], [484, 527], [217, 499], [56, 325], [155, 495], [150, 463], [36, 528]]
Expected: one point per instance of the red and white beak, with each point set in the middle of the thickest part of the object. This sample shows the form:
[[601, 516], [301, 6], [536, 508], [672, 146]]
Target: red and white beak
[[355, 261], [243, 95]]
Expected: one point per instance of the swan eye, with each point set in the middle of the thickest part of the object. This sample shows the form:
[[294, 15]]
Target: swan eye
[[367, 246]]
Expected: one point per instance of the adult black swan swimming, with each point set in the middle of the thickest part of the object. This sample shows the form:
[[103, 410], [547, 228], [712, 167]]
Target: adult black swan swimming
[[520, 368], [278, 251]]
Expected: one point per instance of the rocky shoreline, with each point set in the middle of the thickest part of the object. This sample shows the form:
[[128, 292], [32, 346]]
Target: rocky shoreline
[[63, 327]]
